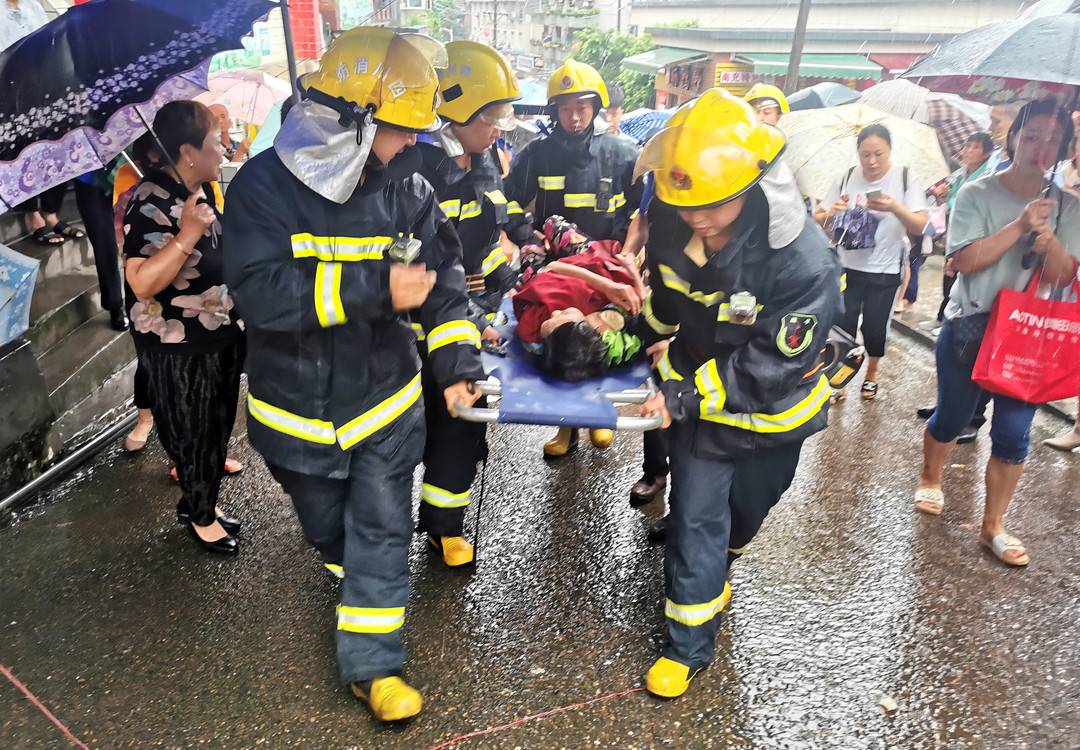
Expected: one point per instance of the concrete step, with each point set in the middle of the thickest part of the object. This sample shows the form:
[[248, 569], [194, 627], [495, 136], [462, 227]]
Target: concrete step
[[80, 363], [13, 227], [101, 408], [60, 306], [73, 258]]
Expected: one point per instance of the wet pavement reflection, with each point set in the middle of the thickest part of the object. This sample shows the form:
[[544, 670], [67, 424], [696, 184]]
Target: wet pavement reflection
[[847, 600]]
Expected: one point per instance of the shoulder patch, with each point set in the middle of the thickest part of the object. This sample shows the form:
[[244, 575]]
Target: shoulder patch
[[796, 333]]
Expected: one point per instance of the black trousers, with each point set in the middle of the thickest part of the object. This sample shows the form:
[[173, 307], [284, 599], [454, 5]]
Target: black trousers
[[194, 402], [870, 296], [142, 388], [48, 202], [451, 452], [655, 448], [95, 207]]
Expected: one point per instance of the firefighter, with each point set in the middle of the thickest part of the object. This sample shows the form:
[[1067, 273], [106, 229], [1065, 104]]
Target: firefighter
[[768, 101], [334, 248], [748, 288], [478, 88], [579, 174]]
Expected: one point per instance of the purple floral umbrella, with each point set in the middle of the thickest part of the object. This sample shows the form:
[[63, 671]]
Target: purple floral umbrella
[[82, 88]]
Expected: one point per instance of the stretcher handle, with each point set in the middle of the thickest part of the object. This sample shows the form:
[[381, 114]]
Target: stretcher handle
[[491, 416], [492, 387]]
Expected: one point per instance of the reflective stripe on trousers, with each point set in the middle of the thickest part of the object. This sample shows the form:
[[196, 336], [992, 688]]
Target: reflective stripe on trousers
[[441, 498]]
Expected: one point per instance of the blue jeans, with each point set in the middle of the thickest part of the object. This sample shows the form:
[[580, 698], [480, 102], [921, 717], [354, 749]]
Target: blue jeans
[[959, 398]]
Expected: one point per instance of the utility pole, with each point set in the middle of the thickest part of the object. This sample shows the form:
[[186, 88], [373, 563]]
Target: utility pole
[[791, 81], [495, 25]]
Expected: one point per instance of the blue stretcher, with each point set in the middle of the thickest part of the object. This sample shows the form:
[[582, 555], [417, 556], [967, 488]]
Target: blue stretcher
[[527, 395]]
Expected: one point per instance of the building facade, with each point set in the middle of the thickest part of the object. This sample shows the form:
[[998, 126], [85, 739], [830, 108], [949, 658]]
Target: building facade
[[736, 43]]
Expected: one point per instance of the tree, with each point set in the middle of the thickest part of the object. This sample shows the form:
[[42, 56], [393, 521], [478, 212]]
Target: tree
[[444, 15], [605, 50]]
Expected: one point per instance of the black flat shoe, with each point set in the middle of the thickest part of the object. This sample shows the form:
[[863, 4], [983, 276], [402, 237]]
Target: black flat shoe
[[225, 546], [925, 412], [117, 320], [231, 525]]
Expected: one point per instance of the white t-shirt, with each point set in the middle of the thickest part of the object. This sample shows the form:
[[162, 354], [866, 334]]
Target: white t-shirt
[[19, 21], [890, 241]]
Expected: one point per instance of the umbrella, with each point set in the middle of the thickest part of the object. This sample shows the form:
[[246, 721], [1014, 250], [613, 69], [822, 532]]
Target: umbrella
[[824, 94], [821, 145], [17, 276], [268, 131], [248, 94], [1032, 57], [533, 98], [642, 124], [79, 89], [954, 118]]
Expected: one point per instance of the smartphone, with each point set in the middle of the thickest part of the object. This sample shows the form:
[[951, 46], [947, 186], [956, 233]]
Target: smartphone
[[873, 195]]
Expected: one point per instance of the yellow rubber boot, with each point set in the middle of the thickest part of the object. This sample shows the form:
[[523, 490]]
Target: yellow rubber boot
[[601, 438], [564, 442], [390, 698], [455, 550], [668, 679]]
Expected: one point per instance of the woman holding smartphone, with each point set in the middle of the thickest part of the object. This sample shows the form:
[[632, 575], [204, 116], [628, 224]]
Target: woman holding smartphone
[[870, 210]]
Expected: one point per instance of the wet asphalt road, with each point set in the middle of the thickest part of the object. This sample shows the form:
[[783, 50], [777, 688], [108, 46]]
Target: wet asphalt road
[[134, 639]]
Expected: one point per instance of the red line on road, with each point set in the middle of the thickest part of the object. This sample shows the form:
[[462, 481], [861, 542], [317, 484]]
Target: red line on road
[[542, 715], [41, 707]]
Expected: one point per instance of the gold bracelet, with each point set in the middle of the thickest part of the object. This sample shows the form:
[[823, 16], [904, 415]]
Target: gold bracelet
[[182, 249]]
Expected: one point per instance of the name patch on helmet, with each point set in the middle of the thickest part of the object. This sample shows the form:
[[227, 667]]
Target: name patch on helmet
[[680, 180]]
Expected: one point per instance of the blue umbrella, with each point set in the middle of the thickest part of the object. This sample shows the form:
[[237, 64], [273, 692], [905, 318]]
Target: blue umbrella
[[79, 89], [17, 276], [642, 124], [533, 98]]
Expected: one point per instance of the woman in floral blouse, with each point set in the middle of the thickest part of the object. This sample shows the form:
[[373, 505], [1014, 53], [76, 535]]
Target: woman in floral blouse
[[188, 339]]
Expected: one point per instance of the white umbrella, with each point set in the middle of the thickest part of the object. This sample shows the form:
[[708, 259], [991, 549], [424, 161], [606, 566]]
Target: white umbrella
[[821, 145], [248, 94]]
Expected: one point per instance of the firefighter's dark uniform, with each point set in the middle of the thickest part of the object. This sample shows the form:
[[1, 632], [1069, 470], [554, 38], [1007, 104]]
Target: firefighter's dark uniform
[[586, 178], [479, 211], [335, 403], [743, 398]]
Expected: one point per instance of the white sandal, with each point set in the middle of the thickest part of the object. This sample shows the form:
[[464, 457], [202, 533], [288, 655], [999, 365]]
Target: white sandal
[[930, 500], [1006, 542]]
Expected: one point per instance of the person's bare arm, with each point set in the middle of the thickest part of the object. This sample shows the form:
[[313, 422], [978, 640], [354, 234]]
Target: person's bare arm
[[148, 276], [987, 251]]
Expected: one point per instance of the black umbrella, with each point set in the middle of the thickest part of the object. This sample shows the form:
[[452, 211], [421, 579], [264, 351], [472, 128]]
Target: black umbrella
[[821, 95], [79, 90]]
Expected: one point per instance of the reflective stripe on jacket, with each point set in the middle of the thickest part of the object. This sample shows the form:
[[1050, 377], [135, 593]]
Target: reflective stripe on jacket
[[749, 386], [564, 176], [331, 365]]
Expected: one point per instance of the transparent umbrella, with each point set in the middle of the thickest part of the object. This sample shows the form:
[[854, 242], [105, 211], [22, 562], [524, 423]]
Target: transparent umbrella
[[821, 145]]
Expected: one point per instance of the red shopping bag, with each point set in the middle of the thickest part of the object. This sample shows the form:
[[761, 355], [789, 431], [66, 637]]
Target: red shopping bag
[[1031, 350]]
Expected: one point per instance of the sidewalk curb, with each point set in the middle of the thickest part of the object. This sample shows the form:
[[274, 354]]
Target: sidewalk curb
[[924, 338]]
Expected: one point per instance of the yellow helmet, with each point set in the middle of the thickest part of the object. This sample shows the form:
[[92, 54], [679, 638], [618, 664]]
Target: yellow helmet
[[768, 91], [476, 77], [392, 75], [711, 151], [577, 78]]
